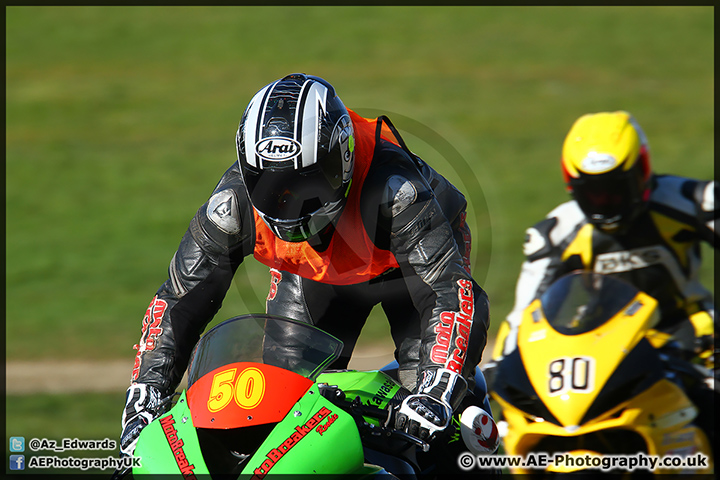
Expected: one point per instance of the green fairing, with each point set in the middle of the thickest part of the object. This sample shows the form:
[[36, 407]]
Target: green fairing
[[170, 444], [374, 388], [314, 437]]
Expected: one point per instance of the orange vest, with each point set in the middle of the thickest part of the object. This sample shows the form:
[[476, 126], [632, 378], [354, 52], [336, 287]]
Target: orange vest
[[351, 256]]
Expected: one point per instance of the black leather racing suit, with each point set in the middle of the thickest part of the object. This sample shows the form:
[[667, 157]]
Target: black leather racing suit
[[406, 208]]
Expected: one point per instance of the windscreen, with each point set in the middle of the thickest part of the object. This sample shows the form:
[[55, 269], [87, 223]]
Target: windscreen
[[295, 346], [582, 301]]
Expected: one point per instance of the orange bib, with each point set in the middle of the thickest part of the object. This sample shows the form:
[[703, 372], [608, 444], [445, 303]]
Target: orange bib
[[351, 256]]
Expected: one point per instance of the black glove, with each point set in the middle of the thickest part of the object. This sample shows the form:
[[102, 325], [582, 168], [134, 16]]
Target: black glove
[[428, 413], [143, 403]]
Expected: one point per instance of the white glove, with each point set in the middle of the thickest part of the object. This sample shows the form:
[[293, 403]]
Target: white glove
[[143, 403], [422, 416], [429, 411]]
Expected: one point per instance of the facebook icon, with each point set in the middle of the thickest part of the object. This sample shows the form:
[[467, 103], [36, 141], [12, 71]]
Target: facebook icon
[[17, 462]]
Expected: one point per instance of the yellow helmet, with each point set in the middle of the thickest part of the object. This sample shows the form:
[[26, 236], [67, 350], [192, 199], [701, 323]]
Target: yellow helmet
[[606, 165]]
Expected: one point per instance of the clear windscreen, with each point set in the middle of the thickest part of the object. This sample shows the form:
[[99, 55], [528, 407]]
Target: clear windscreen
[[582, 301], [295, 346]]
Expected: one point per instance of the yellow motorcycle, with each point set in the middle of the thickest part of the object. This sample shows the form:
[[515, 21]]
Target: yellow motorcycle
[[587, 384]]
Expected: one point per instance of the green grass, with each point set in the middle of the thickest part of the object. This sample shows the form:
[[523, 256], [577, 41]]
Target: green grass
[[120, 120], [91, 416]]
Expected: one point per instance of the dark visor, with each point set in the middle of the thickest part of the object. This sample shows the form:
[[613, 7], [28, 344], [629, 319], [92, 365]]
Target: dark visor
[[287, 194], [607, 195]]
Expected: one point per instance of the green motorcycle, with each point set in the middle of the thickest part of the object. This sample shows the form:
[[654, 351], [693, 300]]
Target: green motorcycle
[[256, 406]]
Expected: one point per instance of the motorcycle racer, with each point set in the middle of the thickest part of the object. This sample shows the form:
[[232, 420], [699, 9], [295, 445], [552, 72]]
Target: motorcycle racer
[[623, 220], [346, 217], [626, 221]]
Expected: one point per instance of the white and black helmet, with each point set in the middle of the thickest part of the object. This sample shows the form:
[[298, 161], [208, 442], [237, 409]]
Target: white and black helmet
[[295, 148]]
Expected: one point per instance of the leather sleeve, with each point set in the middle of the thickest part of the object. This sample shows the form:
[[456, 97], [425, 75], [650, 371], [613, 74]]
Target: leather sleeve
[[453, 307], [220, 235]]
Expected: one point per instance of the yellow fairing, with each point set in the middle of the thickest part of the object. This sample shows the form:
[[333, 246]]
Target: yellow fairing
[[552, 354], [661, 415], [500, 338]]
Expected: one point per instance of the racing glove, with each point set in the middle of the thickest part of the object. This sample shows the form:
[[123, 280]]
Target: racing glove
[[427, 413], [143, 403]]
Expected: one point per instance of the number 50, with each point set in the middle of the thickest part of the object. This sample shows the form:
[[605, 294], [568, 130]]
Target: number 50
[[248, 389]]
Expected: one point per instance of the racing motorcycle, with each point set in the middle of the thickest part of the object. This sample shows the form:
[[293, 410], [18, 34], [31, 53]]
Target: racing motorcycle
[[260, 402], [589, 378]]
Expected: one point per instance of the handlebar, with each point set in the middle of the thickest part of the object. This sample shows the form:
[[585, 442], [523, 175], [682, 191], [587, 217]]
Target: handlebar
[[358, 411]]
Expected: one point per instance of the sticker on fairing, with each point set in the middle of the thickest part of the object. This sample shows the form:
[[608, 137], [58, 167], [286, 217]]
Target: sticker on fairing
[[176, 445], [301, 431], [571, 374], [275, 279]]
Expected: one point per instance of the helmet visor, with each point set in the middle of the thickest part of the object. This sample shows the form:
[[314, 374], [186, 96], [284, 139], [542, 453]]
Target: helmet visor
[[290, 194], [610, 197], [300, 229]]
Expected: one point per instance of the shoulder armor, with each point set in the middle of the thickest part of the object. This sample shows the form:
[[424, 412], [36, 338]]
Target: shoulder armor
[[398, 195], [537, 239], [569, 217], [222, 211], [675, 193], [559, 224]]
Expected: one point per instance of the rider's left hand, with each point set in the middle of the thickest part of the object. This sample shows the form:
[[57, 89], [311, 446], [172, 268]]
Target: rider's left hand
[[422, 416], [428, 412]]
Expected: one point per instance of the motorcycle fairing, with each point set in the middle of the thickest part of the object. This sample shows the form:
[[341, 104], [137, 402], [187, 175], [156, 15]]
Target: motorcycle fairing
[[374, 388], [514, 388], [638, 371], [244, 394], [629, 405], [660, 416], [539, 341], [300, 443], [169, 444]]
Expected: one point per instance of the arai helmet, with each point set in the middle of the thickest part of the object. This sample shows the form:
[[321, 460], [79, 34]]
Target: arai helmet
[[295, 148]]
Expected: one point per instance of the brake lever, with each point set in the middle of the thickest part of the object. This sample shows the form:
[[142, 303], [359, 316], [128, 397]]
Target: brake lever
[[411, 439], [358, 410], [387, 422]]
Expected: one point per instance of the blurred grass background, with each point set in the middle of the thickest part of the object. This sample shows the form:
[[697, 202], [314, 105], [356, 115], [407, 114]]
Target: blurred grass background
[[120, 121]]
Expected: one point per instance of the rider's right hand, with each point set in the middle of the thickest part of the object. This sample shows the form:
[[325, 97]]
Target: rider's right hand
[[143, 403]]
